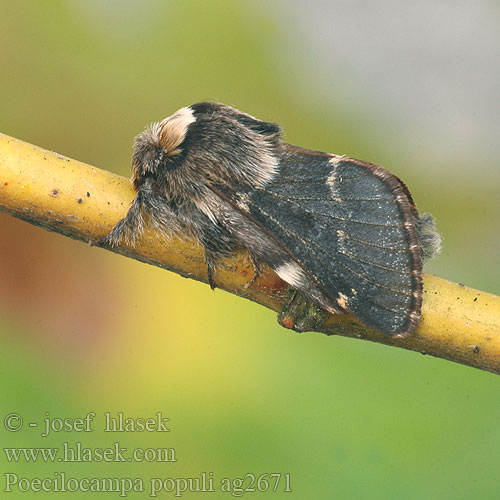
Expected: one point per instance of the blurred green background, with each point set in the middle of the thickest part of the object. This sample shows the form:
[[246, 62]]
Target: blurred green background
[[412, 87]]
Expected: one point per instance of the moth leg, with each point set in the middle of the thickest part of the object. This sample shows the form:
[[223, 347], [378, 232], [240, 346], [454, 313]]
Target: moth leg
[[211, 261], [128, 228], [257, 271], [300, 314], [217, 242]]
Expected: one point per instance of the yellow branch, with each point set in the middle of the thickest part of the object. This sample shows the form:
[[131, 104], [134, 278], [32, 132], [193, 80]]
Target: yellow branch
[[63, 195]]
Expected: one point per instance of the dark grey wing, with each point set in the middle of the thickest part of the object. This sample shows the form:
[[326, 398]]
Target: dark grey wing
[[341, 231]]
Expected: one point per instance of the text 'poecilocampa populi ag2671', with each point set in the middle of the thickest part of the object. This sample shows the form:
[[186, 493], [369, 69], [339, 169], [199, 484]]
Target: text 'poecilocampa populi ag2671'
[[343, 232]]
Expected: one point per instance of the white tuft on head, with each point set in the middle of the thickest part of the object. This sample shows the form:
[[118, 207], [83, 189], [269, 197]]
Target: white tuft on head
[[172, 130]]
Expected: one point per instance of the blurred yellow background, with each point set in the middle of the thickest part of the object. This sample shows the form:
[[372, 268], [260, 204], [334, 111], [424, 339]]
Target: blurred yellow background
[[412, 87]]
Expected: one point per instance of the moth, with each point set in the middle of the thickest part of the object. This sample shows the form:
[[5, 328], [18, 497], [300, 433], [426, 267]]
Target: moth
[[343, 232]]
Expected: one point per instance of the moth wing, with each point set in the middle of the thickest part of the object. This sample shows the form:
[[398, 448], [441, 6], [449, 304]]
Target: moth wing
[[341, 231]]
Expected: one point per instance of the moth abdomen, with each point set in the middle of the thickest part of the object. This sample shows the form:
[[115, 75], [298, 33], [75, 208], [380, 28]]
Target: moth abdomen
[[428, 236]]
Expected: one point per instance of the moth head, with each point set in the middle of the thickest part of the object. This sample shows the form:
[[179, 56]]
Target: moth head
[[159, 144], [206, 142]]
